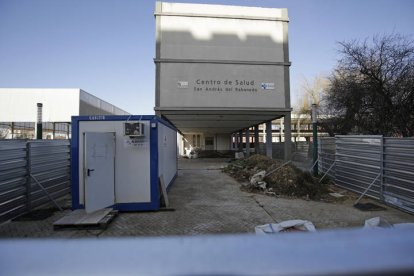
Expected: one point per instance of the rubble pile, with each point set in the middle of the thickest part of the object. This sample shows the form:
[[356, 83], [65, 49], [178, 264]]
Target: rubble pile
[[259, 173]]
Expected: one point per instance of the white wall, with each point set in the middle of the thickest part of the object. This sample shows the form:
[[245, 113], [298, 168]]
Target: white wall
[[167, 153], [132, 164], [59, 104], [180, 144], [19, 104], [220, 10]]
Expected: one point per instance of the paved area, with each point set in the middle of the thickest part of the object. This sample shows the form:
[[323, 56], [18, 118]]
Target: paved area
[[207, 201]]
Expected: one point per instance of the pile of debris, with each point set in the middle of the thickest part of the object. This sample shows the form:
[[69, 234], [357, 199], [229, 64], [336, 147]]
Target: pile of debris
[[276, 177]]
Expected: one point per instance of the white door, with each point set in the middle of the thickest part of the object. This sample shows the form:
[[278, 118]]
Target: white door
[[99, 170]]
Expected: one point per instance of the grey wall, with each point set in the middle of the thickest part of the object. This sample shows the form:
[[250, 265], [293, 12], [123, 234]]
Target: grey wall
[[222, 77], [218, 45], [91, 105]]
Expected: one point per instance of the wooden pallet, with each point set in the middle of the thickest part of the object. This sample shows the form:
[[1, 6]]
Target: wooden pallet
[[80, 220]]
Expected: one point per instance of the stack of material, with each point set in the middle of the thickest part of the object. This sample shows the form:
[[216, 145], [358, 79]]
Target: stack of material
[[276, 177]]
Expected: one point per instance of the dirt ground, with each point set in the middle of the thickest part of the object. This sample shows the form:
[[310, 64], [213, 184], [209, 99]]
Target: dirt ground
[[291, 193]]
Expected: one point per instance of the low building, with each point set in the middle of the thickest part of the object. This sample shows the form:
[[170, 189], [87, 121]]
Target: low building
[[18, 111], [301, 127]]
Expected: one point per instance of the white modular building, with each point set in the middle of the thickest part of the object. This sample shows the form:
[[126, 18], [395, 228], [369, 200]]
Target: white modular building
[[18, 111], [121, 161]]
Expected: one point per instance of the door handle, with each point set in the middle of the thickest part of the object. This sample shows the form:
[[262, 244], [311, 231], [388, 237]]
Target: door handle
[[89, 171]]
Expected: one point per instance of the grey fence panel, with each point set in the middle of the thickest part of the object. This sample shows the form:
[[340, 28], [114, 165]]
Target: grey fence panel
[[359, 160], [302, 153], [326, 153], [398, 175], [50, 165], [13, 177], [47, 160], [358, 163], [300, 150]]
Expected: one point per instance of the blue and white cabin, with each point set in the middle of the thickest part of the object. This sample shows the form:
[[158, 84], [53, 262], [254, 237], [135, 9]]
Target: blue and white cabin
[[117, 161]]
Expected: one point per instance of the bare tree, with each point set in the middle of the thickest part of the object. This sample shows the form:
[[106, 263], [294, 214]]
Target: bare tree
[[312, 92], [372, 88]]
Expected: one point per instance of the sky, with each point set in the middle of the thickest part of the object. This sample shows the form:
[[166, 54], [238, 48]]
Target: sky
[[106, 47]]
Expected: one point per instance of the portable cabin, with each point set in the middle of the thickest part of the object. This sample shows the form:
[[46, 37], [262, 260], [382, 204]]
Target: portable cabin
[[118, 161]]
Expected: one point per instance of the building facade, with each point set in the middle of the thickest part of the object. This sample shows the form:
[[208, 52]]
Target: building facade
[[221, 70], [18, 111]]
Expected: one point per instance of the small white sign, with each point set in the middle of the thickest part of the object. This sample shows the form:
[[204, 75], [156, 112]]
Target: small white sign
[[135, 143], [182, 84], [268, 85], [97, 118]]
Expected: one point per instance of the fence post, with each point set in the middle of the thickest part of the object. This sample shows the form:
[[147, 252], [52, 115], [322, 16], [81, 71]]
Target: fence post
[[321, 160], [28, 176], [335, 157], [382, 169], [315, 139]]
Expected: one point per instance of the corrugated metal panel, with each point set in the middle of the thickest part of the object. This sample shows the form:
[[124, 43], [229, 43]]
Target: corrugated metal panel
[[326, 153], [358, 163], [50, 165], [13, 177], [360, 159], [300, 150], [47, 160], [398, 175]]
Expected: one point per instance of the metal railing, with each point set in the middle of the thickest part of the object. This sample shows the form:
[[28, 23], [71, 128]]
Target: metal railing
[[32, 173], [381, 167]]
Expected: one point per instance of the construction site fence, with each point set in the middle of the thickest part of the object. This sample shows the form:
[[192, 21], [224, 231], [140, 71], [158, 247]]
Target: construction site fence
[[383, 167], [32, 172], [301, 151]]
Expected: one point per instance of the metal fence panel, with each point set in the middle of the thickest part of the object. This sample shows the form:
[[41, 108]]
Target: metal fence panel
[[359, 160], [13, 177], [358, 163], [47, 160], [398, 175], [326, 153], [300, 150]]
